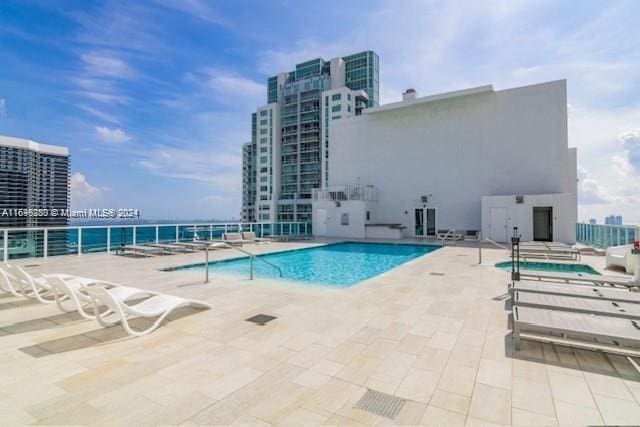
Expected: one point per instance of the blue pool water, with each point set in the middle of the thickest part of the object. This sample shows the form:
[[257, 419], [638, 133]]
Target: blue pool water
[[338, 265], [550, 266]]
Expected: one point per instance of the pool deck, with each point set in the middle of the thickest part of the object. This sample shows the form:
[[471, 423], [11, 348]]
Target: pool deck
[[434, 331]]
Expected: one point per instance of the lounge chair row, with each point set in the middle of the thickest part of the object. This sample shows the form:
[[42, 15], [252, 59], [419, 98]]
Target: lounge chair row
[[170, 248], [549, 250], [106, 302], [576, 314]]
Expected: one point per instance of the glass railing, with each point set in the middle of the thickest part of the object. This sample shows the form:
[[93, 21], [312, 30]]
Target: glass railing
[[604, 236], [42, 242]]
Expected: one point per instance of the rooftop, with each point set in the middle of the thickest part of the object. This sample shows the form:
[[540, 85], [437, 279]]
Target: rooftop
[[28, 144], [434, 331]]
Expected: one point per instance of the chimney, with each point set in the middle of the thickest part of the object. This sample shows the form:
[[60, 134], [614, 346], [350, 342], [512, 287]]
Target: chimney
[[409, 95]]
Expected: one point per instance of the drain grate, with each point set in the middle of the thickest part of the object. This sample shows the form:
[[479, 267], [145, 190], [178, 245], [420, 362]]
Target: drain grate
[[437, 274], [383, 404], [261, 319], [31, 265]]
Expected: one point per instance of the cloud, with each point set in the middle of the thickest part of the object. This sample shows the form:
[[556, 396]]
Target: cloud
[[112, 136], [82, 192], [197, 8], [631, 142], [100, 114], [590, 192], [101, 90], [3, 107], [108, 65]]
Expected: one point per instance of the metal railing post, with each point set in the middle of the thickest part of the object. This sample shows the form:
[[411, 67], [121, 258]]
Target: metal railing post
[[108, 240], [5, 244], [251, 271], [79, 240], [134, 232], [157, 234], [480, 247], [177, 235], [206, 264], [45, 243]]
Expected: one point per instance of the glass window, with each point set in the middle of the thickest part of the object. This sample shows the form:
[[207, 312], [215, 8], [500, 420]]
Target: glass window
[[336, 117], [264, 178], [336, 108], [349, 108], [263, 113], [344, 219], [264, 159], [348, 97], [335, 97], [263, 131], [264, 121], [263, 140], [263, 149]]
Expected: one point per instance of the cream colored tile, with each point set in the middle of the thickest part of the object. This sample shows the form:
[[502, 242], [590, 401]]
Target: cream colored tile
[[359, 369], [571, 389], [396, 365], [227, 384], [418, 385], [311, 379], [412, 344], [410, 414], [346, 352], [303, 417], [572, 415], [451, 401], [438, 417], [457, 379], [533, 396], [607, 385], [443, 341], [309, 356], [491, 404], [327, 367], [495, 373], [527, 419], [432, 359], [380, 348], [618, 411]]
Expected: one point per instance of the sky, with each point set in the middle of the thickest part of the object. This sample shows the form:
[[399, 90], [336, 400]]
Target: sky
[[154, 98]]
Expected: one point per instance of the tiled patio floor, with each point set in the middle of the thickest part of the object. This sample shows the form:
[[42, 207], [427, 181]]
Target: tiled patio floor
[[439, 341]]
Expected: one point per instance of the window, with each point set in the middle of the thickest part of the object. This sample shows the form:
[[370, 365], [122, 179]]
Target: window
[[349, 108], [264, 121], [326, 101], [263, 149], [263, 159], [368, 216], [263, 140], [263, 131], [264, 178], [264, 197], [335, 97], [264, 216], [263, 113], [335, 108], [336, 117], [263, 188], [348, 97], [263, 170], [344, 219]]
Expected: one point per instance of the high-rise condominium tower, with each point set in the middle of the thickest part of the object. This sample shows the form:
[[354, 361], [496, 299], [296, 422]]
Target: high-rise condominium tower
[[287, 156]]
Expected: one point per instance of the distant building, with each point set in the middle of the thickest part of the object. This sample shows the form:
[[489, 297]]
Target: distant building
[[593, 221], [613, 220], [34, 183], [290, 143]]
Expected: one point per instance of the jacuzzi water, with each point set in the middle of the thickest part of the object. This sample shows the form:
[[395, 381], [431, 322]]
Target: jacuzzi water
[[549, 266], [337, 265]]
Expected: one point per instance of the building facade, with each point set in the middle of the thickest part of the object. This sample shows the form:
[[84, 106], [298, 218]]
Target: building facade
[[471, 160], [34, 192], [290, 143]]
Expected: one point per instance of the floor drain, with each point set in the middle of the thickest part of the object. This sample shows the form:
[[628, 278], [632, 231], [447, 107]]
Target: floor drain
[[261, 319], [437, 274], [383, 404], [31, 265]]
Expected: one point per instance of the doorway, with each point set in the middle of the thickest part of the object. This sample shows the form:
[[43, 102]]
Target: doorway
[[498, 224], [543, 224], [321, 222], [425, 222]]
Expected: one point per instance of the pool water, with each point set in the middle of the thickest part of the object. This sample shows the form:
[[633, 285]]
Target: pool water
[[550, 266], [338, 265]]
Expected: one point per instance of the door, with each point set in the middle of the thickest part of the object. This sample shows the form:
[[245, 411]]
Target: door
[[543, 224], [321, 222], [425, 222], [498, 224]]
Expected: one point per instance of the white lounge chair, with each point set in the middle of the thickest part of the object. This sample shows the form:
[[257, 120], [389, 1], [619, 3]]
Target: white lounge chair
[[449, 235], [234, 239], [580, 278], [75, 293], [620, 256], [250, 236], [583, 291], [600, 333], [139, 249], [159, 306]]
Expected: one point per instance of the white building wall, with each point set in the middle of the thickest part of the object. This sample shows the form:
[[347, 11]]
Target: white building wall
[[456, 148], [521, 215], [356, 210], [268, 136]]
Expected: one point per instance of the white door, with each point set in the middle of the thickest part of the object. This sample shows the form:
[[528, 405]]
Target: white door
[[321, 222], [498, 224]]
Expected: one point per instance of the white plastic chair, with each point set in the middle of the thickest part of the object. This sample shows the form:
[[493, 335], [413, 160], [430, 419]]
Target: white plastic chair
[[159, 306], [74, 294], [10, 283]]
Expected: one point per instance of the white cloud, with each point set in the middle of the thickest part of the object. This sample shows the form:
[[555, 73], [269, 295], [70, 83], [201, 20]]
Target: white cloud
[[100, 114], [82, 192], [106, 65], [631, 142], [112, 136], [590, 192], [3, 107]]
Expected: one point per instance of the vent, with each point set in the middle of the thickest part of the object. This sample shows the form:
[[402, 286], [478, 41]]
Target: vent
[[436, 274], [382, 404], [261, 319]]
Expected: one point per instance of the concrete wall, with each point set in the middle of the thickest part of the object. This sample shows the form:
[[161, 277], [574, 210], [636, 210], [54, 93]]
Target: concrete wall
[[521, 215], [457, 148], [356, 209]]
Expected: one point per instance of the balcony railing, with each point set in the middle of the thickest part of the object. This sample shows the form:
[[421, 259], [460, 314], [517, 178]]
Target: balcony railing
[[42, 242], [347, 192], [603, 236]]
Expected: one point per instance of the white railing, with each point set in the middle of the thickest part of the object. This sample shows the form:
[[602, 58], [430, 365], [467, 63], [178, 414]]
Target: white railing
[[41, 242], [604, 236], [346, 192]]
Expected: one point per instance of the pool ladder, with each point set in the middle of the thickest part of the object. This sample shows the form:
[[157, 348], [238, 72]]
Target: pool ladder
[[253, 256]]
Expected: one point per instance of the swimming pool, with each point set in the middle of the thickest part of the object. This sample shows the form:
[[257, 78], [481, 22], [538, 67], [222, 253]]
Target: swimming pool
[[338, 265], [549, 266]]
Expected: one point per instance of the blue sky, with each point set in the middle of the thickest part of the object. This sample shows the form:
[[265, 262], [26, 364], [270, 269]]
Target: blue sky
[[153, 98]]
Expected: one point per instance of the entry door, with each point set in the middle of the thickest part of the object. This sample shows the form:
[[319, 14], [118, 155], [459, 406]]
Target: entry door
[[543, 224], [498, 224], [425, 222], [321, 222]]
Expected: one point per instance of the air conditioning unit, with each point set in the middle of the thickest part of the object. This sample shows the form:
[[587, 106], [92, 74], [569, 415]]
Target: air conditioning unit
[[519, 199], [424, 199], [338, 204]]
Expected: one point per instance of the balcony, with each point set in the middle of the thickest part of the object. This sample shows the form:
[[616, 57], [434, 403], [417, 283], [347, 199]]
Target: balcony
[[347, 192]]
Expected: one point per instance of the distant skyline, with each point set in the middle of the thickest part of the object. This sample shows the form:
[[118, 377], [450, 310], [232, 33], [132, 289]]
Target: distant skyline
[[154, 98]]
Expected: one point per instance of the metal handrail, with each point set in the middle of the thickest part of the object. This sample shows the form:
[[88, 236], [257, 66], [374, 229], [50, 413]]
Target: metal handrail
[[497, 244], [252, 256]]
